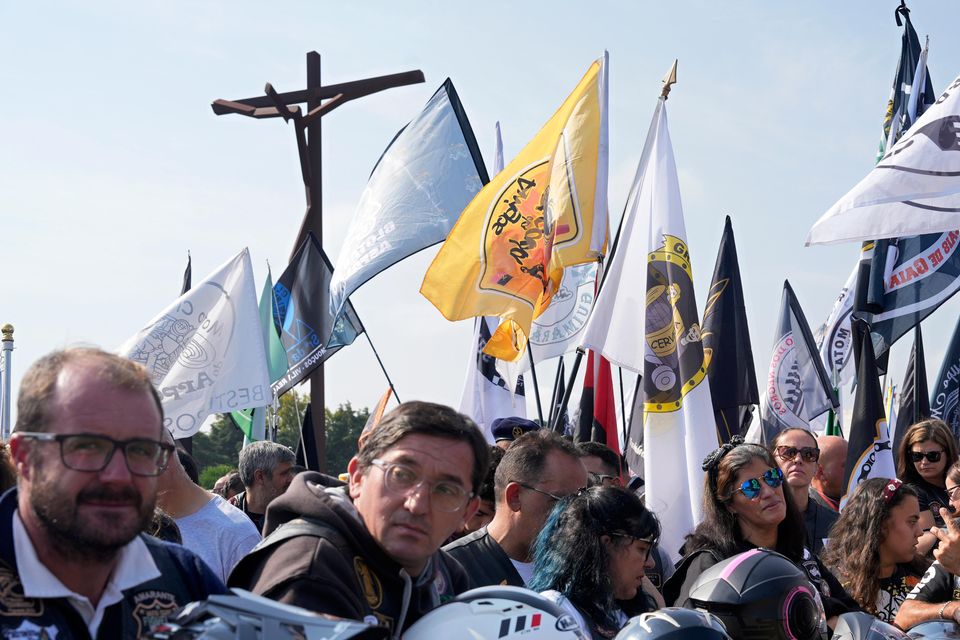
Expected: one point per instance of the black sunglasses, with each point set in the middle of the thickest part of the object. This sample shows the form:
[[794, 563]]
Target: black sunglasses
[[931, 456]]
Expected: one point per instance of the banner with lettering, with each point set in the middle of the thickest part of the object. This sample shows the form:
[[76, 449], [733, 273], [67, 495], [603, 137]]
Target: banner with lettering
[[204, 351]]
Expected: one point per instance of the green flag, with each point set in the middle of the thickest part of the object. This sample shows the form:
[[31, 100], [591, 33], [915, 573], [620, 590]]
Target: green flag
[[252, 421]]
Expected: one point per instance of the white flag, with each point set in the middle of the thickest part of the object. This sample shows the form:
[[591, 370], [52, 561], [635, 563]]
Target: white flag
[[646, 320], [205, 350], [913, 190], [836, 337]]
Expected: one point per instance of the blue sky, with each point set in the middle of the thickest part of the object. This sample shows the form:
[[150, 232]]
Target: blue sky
[[114, 165]]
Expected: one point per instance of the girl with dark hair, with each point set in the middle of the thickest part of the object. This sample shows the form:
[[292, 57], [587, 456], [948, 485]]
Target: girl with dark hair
[[925, 454], [873, 546], [592, 552], [744, 507]]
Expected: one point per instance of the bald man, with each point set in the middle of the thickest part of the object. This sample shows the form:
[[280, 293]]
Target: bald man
[[827, 485]]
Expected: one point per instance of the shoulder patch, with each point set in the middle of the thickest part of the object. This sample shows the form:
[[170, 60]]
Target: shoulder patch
[[29, 631], [369, 582], [12, 601]]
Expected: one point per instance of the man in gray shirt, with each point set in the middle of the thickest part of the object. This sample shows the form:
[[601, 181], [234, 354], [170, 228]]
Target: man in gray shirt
[[210, 526]]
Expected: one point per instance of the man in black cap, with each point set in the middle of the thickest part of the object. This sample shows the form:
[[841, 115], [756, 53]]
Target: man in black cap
[[506, 430]]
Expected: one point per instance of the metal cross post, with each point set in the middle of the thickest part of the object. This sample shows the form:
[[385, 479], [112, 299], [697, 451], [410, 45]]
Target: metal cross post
[[319, 101]]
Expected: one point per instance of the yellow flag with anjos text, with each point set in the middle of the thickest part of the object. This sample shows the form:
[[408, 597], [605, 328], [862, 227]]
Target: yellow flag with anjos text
[[546, 210]]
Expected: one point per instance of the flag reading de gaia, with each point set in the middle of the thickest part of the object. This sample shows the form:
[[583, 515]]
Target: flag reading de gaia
[[676, 363]]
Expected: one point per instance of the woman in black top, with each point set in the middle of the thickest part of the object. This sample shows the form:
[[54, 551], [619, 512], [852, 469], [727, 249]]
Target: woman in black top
[[872, 547], [923, 459], [744, 507]]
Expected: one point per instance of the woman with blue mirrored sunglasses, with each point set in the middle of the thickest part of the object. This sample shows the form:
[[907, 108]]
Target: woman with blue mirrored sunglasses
[[745, 507]]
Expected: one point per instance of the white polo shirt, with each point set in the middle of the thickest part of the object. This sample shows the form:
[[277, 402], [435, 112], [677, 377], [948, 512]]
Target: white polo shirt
[[135, 566]]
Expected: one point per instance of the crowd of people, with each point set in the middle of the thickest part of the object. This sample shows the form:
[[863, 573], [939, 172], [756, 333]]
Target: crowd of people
[[106, 531]]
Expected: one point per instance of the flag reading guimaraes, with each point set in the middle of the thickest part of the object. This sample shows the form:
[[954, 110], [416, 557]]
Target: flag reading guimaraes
[[425, 177], [658, 335], [913, 190], [797, 388], [945, 396], [204, 351], [546, 210]]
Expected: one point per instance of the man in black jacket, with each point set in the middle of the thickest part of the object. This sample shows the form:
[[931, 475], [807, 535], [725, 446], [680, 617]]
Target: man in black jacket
[[536, 471], [371, 550], [73, 563]]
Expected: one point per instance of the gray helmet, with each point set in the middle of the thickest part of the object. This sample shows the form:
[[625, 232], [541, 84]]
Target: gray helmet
[[761, 594], [935, 630], [674, 623], [858, 625], [246, 616]]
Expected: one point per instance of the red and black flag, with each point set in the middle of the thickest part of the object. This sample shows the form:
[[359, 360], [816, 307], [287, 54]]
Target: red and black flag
[[726, 344], [598, 412]]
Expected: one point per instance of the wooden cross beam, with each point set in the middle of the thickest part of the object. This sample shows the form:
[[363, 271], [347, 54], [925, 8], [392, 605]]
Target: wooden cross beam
[[319, 101]]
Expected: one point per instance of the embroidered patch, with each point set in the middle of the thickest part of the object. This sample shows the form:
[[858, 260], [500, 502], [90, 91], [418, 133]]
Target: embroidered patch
[[369, 582], [12, 601], [29, 631], [152, 608]]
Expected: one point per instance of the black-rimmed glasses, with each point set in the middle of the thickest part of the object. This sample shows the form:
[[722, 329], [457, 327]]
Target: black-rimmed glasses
[[597, 479], [402, 480], [541, 492], [954, 492], [90, 452]]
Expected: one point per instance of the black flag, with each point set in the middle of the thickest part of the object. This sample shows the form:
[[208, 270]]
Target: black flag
[[914, 403], [187, 276], [307, 446], [869, 453], [726, 344], [946, 393], [302, 314]]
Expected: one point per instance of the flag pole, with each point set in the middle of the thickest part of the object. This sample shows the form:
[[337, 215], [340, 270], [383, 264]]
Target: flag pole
[[382, 368], [623, 405], [536, 387], [7, 348], [556, 383], [668, 81]]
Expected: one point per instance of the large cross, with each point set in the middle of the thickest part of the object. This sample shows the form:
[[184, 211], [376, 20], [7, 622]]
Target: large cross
[[319, 101]]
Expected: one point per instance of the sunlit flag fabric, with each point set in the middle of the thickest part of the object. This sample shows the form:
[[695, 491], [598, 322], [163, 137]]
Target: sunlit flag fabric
[[204, 351], [303, 317], [486, 393], [645, 319], [546, 210], [836, 337], [914, 403], [913, 190], [559, 329], [253, 421], [796, 388], [726, 343], [426, 176], [869, 452], [945, 398]]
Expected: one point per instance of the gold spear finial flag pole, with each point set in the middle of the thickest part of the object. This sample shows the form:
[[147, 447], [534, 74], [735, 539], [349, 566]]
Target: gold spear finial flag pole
[[669, 80]]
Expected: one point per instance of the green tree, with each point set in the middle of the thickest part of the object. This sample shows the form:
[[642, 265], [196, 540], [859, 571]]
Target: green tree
[[210, 475], [343, 430]]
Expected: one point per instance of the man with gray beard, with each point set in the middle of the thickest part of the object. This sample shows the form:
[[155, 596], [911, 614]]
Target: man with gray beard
[[88, 450]]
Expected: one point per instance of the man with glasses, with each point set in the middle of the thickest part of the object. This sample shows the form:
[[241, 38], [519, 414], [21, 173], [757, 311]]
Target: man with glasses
[[88, 450], [371, 550], [602, 464], [797, 455], [536, 471]]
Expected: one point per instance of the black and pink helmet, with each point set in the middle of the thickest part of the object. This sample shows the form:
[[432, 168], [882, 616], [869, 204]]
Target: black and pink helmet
[[761, 595]]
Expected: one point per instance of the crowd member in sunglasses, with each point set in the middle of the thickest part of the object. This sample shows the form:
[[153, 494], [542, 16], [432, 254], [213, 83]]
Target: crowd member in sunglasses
[[371, 550], [797, 455], [592, 553], [873, 548], [926, 453], [73, 561], [744, 507]]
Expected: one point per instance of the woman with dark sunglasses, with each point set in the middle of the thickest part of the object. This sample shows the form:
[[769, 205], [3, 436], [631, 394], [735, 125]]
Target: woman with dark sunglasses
[[924, 456], [591, 555], [873, 547], [797, 454], [744, 507]]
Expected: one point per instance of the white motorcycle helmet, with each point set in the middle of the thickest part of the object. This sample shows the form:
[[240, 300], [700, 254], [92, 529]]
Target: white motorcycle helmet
[[497, 612], [674, 623]]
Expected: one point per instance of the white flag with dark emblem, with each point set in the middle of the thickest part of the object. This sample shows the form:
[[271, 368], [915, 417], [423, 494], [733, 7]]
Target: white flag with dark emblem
[[205, 351], [645, 319], [836, 337], [913, 190], [797, 388]]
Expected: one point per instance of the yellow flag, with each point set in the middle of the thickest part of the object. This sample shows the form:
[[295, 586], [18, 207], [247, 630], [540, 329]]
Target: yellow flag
[[546, 210]]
